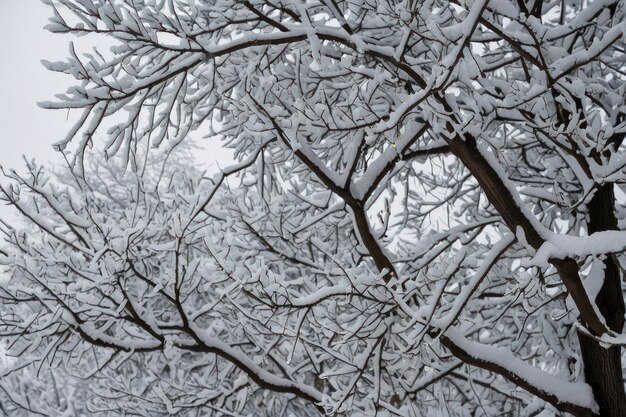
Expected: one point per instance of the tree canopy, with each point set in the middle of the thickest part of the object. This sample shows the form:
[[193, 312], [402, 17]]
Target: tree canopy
[[425, 216]]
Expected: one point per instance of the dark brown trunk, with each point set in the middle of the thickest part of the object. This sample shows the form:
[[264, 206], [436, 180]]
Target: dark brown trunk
[[603, 367]]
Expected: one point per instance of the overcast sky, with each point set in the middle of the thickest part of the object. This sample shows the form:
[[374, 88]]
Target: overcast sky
[[26, 129]]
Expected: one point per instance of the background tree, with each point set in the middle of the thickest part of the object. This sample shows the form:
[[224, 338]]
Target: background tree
[[427, 215]]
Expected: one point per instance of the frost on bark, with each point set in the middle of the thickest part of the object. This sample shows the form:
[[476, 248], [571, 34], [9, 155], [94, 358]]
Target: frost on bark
[[425, 216]]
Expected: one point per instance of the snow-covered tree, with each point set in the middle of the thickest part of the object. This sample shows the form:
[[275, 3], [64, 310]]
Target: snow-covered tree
[[425, 217]]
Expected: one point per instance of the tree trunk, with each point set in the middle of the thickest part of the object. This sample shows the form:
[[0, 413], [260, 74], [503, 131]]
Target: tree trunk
[[603, 367]]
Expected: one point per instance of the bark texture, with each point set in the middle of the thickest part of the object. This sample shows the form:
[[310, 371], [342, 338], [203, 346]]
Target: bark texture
[[603, 367]]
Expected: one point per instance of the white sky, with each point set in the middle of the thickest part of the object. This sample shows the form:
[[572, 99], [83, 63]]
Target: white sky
[[26, 129]]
